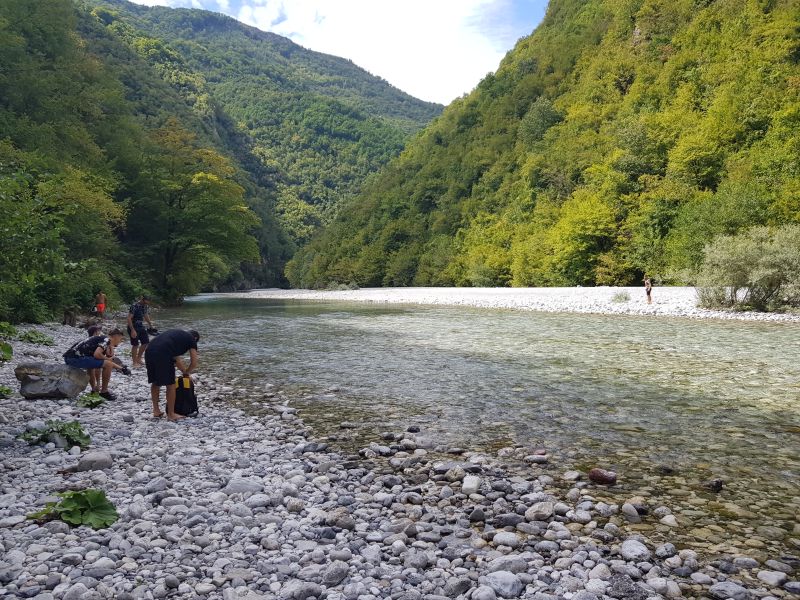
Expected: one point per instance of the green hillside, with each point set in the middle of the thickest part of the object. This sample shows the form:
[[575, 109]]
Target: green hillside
[[618, 139], [318, 123], [108, 179], [130, 162]]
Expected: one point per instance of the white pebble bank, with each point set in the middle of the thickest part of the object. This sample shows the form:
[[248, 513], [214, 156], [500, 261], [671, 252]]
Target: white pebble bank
[[667, 301]]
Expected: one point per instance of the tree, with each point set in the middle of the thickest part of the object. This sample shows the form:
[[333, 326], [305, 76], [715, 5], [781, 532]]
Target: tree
[[757, 269], [31, 250], [189, 220]]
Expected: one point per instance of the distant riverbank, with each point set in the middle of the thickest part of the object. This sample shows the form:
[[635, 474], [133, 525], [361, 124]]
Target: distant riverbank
[[667, 301]]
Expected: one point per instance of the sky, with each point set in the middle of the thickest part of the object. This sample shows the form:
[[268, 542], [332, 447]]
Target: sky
[[435, 50]]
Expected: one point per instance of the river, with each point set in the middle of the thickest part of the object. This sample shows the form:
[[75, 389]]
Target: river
[[668, 403]]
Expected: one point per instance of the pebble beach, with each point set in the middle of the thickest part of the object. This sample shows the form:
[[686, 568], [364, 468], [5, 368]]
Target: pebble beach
[[667, 301], [243, 502]]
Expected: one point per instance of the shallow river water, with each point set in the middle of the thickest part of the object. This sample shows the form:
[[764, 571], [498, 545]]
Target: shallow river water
[[667, 403]]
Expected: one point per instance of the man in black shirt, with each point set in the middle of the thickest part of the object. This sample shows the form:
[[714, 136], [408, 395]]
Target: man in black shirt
[[137, 315], [96, 354], [162, 356]]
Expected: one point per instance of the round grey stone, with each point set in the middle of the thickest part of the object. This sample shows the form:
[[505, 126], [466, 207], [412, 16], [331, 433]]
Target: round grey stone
[[634, 550], [505, 584]]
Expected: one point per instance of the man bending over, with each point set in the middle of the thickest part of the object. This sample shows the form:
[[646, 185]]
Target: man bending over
[[162, 356]]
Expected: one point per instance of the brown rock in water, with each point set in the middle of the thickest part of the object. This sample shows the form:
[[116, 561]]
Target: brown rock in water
[[602, 476]]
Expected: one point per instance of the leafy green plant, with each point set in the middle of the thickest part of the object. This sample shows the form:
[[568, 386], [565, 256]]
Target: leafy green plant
[[757, 269], [36, 337], [6, 352], [69, 430], [335, 286], [621, 297], [92, 400], [81, 507], [7, 330], [5, 391]]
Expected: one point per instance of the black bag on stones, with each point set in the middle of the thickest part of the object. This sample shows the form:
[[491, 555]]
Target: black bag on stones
[[185, 397]]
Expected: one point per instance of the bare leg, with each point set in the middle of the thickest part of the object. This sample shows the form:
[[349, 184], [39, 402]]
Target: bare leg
[[171, 414], [155, 393], [106, 376], [137, 355], [94, 379]]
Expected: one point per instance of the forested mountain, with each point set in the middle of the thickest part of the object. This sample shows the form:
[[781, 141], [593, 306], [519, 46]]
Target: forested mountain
[[318, 123], [121, 170], [618, 139]]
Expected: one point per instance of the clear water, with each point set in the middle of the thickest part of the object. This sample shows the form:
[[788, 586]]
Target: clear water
[[706, 398]]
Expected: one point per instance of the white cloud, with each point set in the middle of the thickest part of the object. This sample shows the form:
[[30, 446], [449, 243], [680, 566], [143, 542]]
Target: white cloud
[[433, 49], [159, 2]]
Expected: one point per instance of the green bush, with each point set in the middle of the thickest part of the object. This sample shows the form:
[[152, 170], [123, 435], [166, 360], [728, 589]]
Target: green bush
[[540, 117], [69, 430], [5, 392], [758, 269], [82, 507], [335, 286], [7, 330], [6, 352], [621, 297], [91, 400], [36, 337]]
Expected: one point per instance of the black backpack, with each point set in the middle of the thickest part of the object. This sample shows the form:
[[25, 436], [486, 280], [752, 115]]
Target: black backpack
[[185, 397]]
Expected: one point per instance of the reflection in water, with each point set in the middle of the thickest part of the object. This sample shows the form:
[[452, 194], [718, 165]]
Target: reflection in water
[[706, 398]]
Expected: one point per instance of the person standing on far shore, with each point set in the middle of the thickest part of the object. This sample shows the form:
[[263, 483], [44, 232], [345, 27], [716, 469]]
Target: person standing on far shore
[[648, 289], [100, 304]]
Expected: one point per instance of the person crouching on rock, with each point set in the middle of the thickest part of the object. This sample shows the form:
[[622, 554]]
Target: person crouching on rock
[[162, 356], [94, 374], [96, 354]]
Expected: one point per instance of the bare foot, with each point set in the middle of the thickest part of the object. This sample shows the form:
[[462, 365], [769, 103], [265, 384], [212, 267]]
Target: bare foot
[[175, 417], [158, 415]]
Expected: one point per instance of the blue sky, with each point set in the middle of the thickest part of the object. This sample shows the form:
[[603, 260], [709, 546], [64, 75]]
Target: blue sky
[[433, 49]]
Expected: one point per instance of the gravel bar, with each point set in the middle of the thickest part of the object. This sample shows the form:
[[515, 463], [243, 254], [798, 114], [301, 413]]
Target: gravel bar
[[667, 301]]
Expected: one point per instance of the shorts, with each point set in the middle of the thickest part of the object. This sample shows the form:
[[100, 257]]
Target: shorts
[[160, 368], [84, 362], [101, 308], [141, 335]]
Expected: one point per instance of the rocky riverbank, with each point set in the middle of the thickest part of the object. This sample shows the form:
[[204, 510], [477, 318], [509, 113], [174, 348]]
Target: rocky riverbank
[[241, 505], [667, 301]]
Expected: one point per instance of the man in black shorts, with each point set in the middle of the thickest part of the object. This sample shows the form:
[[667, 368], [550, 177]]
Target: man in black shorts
[[163, 355], [137, 315], [648, 289]]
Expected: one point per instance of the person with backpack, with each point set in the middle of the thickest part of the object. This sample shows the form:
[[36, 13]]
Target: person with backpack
[[96, 355], [137, 315], [162, 357]]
